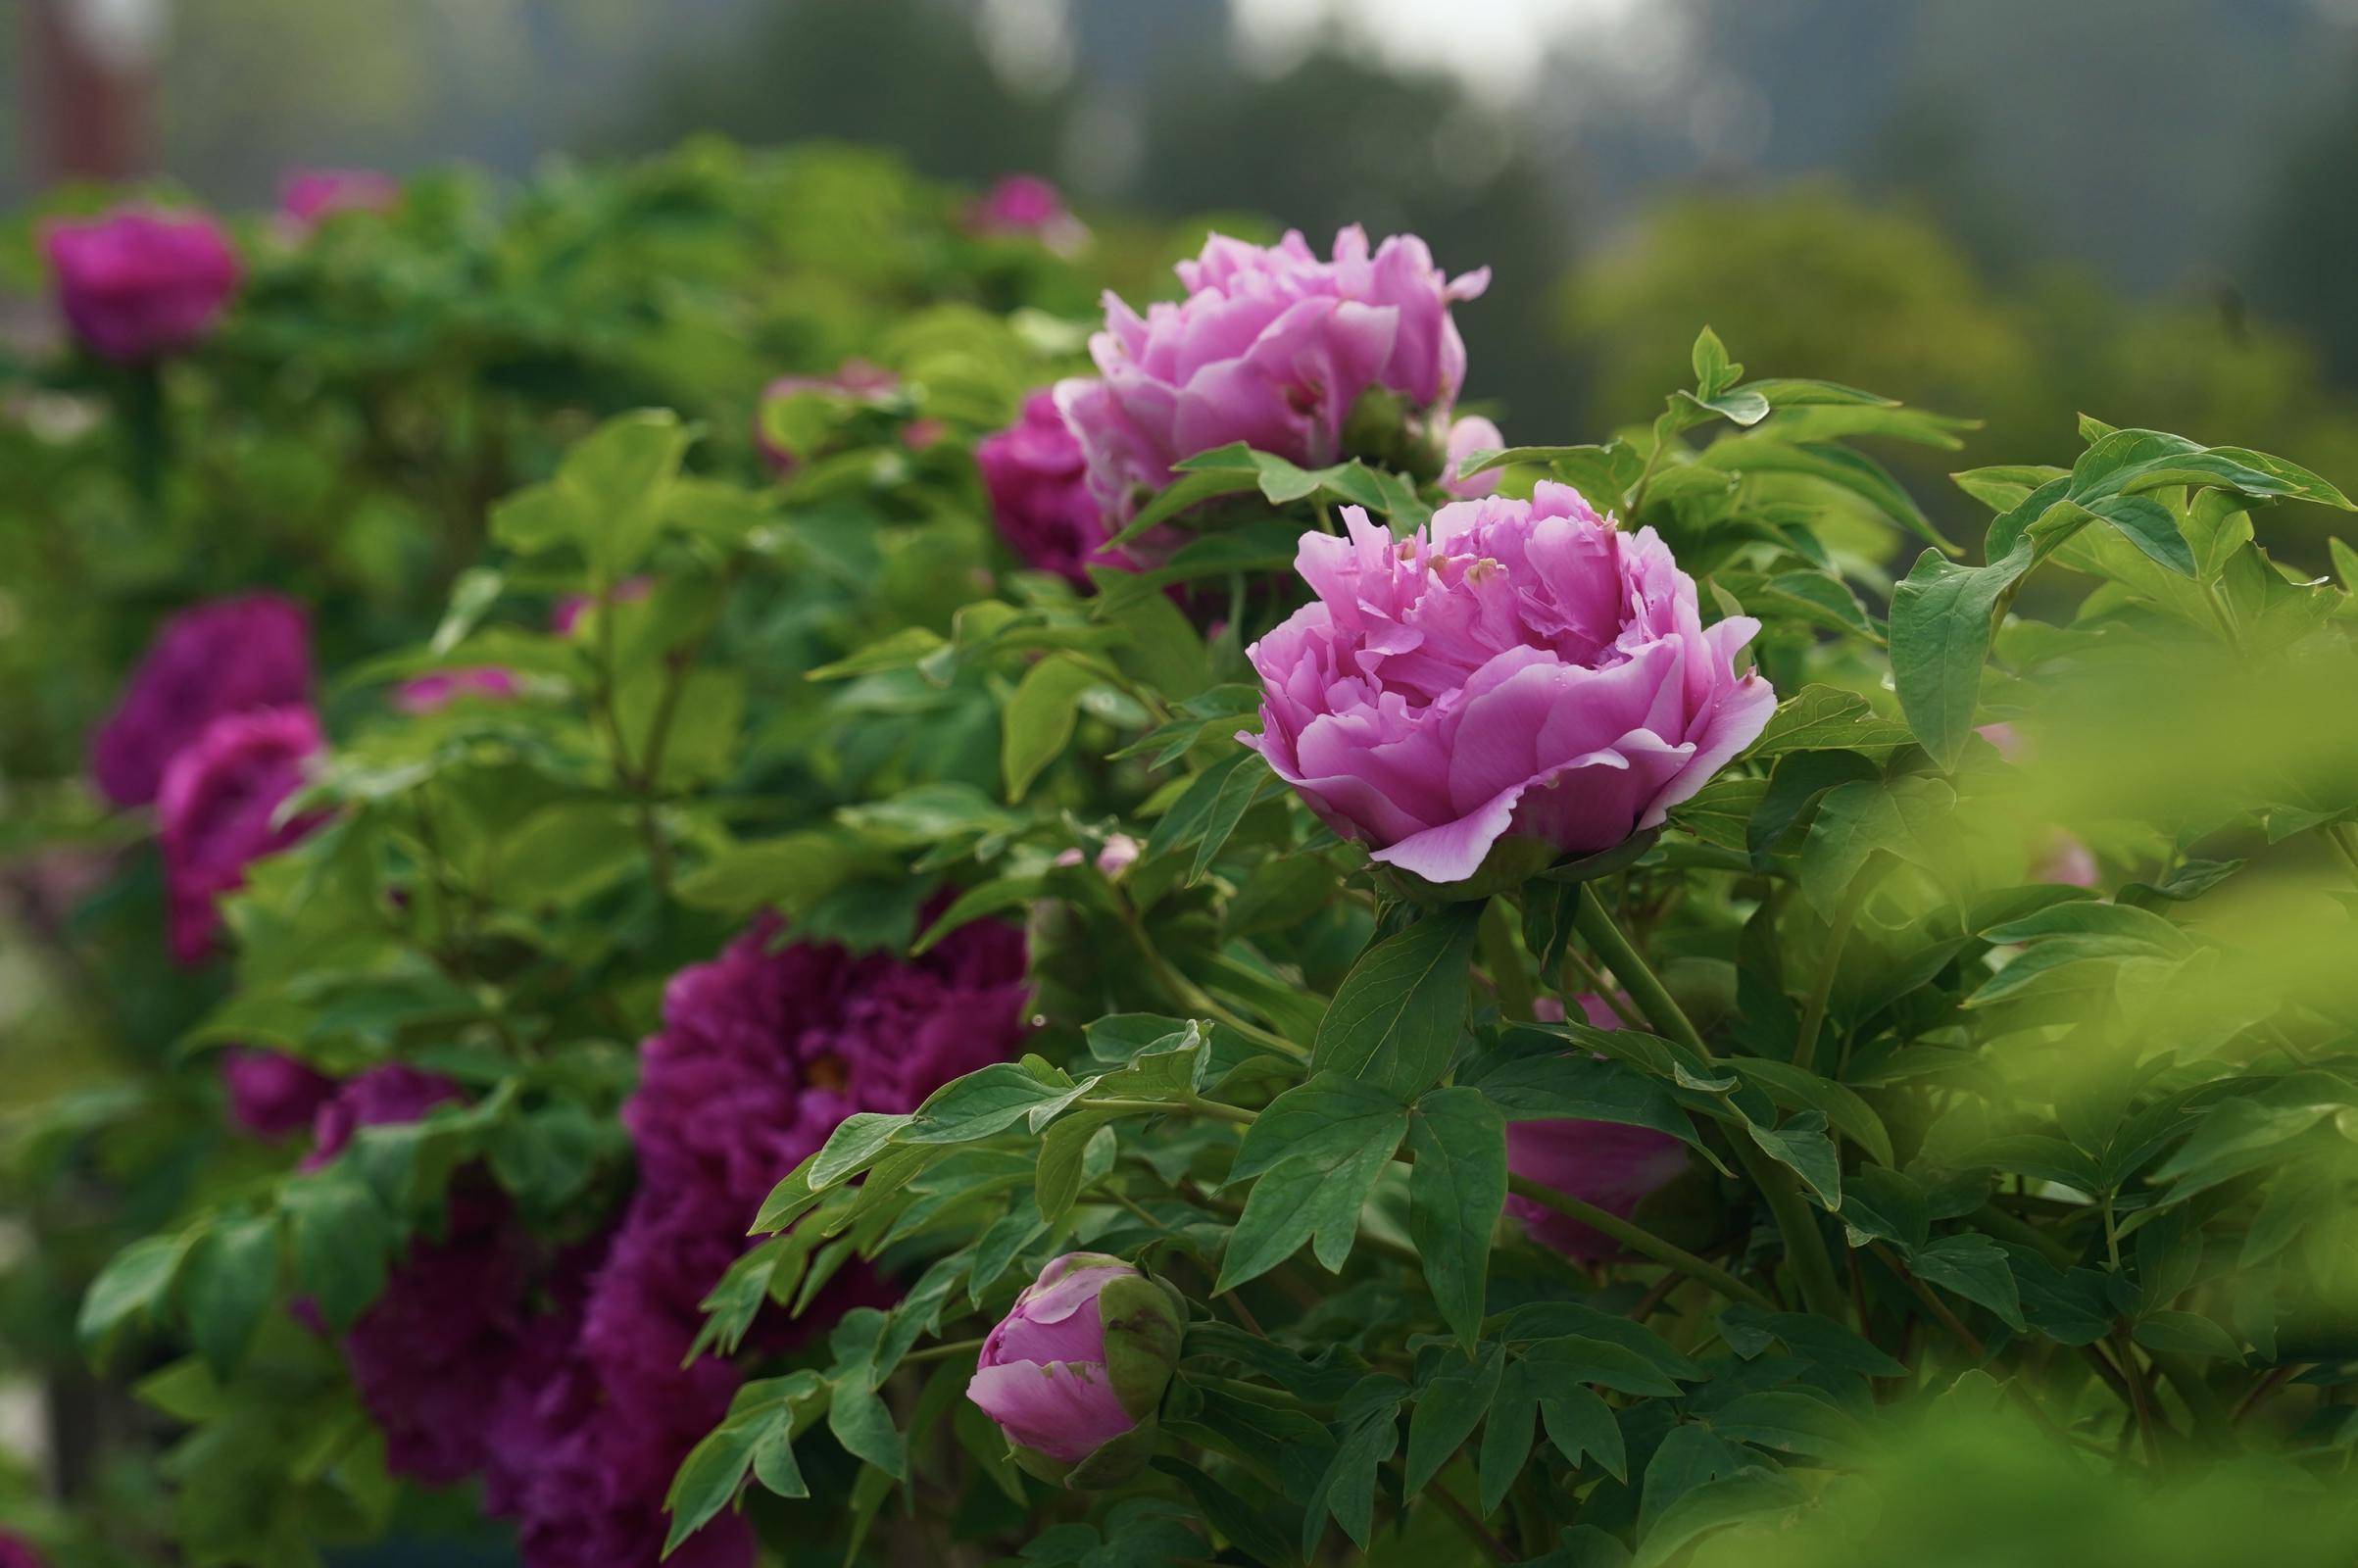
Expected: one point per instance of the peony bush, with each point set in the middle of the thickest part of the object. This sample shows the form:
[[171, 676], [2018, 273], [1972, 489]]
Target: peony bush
[[958, 932]]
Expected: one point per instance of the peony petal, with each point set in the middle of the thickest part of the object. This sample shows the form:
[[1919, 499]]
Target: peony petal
[[1063, 1410]]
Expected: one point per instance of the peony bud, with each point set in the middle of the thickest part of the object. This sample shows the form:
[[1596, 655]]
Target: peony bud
[[1468, 436], [1074, 1373], [135, 285], [1022, 204], [1040, 496]]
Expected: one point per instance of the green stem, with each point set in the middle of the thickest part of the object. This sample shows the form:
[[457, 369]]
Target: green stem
[[943, 1352], [1195, 999], [1804, 1243], [1813, 1015], [1504, 964]]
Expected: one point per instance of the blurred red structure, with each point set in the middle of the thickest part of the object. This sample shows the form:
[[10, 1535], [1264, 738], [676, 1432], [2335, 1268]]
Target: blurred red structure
[[91, 98]]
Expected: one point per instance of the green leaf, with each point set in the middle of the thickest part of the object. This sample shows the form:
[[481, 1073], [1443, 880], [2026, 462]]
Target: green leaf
[[1942, 619], [987, 1101], [1796, 1089], [1828, 718], [2185, 1333], [1713, 373], [231, 1282], [1752, 1493], [863, 1426], [1799, 1143], [134, 1286], [1189, 489], [622, 472], [1579, 1423], [1506, 1436], [342, 1241], [1974, 1268], [1447, 1408], [1300, 1199], [1326, 1117], [1038, 721], [1571, 1360], [1749, 1330], [1397, 1015], [1347, 1489], [1794, 1422], [1456, 1191], [2149, 525]]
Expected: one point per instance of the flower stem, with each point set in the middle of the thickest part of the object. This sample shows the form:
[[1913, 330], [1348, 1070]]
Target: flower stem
[[1813, 1016], [1804, 1243], [943, 1352]]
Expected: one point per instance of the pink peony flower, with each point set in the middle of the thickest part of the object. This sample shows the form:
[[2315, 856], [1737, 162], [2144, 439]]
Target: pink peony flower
[[1040, 496], [308, 195], [1271, 347], [217, 811], [1468, 436], [228, 656], [1042, 1372], [430, 694], [1027, 204], [136, 284], [273, 1094], [384, 1096], [1529, 669], [1611, 1164]]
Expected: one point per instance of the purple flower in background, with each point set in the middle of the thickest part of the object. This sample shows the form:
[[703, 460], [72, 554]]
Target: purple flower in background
[[1042, 1372], [1610, 1164], [430, 694], [1027, 204], [1271, 347], [136, 284], [761, 1054], [1040, 497], [308, 195], [572, 608], [1468, 436], [224, 656], [216, 810], [384, 1096], [273, 1094], [1528, 670], [16, 1552]]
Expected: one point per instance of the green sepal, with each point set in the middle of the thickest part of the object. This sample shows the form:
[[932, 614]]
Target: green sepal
[[1141, 1340]]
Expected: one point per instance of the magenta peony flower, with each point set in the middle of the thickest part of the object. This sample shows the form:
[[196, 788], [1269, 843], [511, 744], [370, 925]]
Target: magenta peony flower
[[1027, 204], [384, 1096], [273, 1094], [1611, 1164], [430, 694], [308, 195], [1042, 1375], [136, 284], [228, 656], [217, 811], [1271, 347], [18, 1553], [1468, 436], [763, 1052], [1530, 669], [1040, 497]]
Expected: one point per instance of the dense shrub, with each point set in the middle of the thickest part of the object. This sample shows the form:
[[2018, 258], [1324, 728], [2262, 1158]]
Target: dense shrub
[[1360, 995]]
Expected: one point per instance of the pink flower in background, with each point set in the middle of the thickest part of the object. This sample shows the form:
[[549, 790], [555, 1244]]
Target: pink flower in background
[[384, 1096], [1027, 204], [1529, 669], [854, 378], [217, 812], [2057, 855], [1042, 1376], [1271, 347], [136, 284], [1610, 1164], [307, 195], [16, 1552], [1040, 497], [273, 1094], [228, 656], [1469, 436], [572, 607], [430, 694]]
